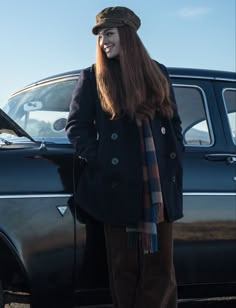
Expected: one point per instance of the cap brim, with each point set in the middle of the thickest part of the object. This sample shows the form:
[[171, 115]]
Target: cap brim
[[95, 29], [107, 24]]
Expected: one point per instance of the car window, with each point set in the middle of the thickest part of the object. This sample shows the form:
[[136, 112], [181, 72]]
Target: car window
[[42, 110], [229, 96], [194, 114]]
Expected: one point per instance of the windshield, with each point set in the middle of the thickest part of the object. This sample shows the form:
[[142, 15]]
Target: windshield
[[42, 110]]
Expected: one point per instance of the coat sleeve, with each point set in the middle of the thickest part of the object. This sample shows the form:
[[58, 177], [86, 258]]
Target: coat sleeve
[[81, 128], [176, 121]]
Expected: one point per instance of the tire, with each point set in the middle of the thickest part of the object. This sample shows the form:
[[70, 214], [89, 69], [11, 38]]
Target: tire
[[1, 296]]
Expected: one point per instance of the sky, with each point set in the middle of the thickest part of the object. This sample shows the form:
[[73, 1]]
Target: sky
[[47, 37]]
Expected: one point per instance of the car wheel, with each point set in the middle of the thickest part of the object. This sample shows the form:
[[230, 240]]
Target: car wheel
[[1, 295]]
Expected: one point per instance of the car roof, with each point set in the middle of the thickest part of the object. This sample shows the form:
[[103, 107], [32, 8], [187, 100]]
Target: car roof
[[174, 72], [201, 73]]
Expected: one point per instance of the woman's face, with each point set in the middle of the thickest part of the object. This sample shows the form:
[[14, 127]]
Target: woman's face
[[109, 41]]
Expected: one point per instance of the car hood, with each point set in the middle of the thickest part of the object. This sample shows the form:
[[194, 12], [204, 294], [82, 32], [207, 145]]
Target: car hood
[[8, 126]]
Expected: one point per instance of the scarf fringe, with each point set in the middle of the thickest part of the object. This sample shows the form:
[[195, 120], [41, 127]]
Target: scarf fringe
[[145, 242]]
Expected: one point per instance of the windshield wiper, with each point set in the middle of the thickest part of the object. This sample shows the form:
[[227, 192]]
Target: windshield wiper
[[5, 141]]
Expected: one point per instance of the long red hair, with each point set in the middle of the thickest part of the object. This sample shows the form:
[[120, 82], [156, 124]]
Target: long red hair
[[134, 83]]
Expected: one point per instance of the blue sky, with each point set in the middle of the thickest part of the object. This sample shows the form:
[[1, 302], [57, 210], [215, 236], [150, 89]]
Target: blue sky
[[46, 37]]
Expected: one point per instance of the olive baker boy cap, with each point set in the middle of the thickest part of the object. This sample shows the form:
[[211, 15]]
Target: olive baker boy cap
[[117, 16]]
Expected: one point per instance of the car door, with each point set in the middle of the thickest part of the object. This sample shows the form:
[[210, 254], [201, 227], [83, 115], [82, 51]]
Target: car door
[[37, 216], [205, 239]]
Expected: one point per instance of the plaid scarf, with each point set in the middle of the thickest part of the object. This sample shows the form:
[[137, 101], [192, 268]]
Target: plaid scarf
[[145, 235]]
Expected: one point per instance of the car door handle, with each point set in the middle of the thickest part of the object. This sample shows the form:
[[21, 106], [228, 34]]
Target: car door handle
[[229, 158]]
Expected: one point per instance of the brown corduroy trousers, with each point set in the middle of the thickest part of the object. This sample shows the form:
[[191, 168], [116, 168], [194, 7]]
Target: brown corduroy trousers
[[140, 280]]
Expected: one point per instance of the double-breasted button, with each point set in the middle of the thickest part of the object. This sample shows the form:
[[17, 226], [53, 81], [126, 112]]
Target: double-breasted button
[[173, 155], [163, 130], [114, 136], [115, 161]]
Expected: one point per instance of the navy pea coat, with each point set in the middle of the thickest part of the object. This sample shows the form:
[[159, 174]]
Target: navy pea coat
[[111, 185]]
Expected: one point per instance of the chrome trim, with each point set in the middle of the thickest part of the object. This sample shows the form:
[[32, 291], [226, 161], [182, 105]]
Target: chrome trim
[[216, 299], [226, 110], [209, 194], [221, 154], [35, 196], [202, 77], [70, 195], [55, 79], [43, 82], [207, 113]]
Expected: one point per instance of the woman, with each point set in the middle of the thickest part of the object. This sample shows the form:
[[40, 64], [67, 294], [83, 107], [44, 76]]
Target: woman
[[125, 127]]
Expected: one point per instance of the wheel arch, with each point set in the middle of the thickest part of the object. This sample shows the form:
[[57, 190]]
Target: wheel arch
[[13, 273]]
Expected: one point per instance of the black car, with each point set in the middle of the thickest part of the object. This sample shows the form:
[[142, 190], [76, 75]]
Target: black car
[[48, 255]]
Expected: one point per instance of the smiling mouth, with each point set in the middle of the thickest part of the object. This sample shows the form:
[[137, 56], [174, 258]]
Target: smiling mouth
[[107, 49]]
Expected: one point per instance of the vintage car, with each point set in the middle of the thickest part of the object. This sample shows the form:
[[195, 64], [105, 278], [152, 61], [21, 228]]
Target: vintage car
[[49, 257]]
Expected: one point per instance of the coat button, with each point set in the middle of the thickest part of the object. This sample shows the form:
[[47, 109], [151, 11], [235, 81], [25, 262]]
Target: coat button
[[115, 161], [173, 155], [114, 136], [173, 179], [163, 130]]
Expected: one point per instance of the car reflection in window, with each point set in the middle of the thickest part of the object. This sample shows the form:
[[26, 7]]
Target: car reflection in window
[[45, 124], [198, 134], [194, 114], [42, 110]]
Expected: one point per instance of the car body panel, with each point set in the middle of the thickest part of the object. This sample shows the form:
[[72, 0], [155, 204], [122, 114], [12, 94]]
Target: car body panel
[[207, 231], [32, 191]]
